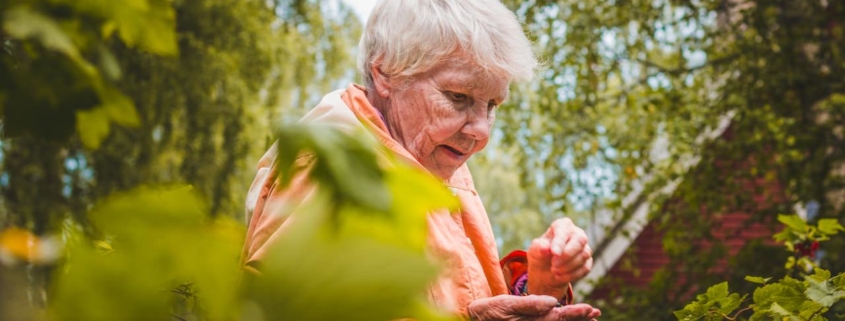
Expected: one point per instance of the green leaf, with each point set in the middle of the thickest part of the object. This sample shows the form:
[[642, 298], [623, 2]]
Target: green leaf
[[788, 293], [415, 195], [92, 126], [349, 272], [784, 236], [822, 290], [711, 305], [777, 310], [810, 308], [154, 33], [830, 226], [344, 162], [717, 291], [149, 25], [355, 245], [109, 63], [819, 275], [793, 221], [757, 279], [692, 311], [23, 23], [120, 108], [161, 241]]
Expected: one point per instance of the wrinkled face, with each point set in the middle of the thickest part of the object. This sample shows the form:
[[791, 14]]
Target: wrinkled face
[[445, 115]]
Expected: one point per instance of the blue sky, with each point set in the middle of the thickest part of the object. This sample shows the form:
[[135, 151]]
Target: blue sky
[[361, 7]]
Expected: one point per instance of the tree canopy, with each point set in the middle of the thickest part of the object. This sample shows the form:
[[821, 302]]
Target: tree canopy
[[194, 85], [99, 97], [629, 102]]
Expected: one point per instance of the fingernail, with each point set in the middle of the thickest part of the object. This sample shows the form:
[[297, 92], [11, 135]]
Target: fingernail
[[549, 300], [556, 248]]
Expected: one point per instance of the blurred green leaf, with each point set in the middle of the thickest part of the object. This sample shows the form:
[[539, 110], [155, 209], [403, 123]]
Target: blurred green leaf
[[793, 221], [785, 236], [415, 194], [22, 23], [109, 64], [368, 270], [351, 171], [92, 126], [757, 279], [830, 226], [345, 256], [160, 240], [148, 24], [120, 108]]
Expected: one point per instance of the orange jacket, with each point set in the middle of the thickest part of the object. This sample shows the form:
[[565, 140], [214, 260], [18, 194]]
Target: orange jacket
[[461, 241]]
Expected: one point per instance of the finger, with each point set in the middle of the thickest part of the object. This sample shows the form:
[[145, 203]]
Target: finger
[[575, 312], [532, 304], [595, 314], [575, 243], [579, 312], [566, 265], [558, 226], [540, 252], [561, 232], [575, 253], [562, 264], [577, 274]]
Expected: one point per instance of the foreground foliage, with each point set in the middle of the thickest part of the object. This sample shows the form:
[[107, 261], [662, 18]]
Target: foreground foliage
[[156, 254], [102, 103], [787, 298]]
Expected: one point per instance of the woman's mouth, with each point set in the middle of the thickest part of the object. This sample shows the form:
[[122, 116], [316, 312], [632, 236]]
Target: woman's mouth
[[455, 152]]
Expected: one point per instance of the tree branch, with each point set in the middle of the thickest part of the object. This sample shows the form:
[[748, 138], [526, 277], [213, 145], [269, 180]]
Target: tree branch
[[680, 70], [736, 315]]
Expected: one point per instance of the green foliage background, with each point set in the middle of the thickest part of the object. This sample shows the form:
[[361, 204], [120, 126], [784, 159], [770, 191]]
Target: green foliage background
[[201, 89], [100, 97], [633, 90]]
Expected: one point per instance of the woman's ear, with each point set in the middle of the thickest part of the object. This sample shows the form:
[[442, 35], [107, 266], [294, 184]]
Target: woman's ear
[[381, 82]]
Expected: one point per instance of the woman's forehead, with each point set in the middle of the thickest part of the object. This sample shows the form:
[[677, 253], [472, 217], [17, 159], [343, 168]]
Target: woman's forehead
[[471, 78]]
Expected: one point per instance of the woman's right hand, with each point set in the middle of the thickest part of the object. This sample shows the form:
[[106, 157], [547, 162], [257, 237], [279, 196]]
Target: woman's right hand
[[528, 308]]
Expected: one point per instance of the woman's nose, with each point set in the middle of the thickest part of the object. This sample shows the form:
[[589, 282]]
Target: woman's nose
[[478, 122]]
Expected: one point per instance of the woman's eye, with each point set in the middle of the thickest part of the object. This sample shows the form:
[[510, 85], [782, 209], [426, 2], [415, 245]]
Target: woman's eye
[[492, 105], [457, 97]]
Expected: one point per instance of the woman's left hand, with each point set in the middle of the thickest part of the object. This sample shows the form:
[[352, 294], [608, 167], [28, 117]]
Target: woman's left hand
[[558, 257]]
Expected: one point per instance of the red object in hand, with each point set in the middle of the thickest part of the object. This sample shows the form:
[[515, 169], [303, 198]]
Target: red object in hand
[[514, 265]]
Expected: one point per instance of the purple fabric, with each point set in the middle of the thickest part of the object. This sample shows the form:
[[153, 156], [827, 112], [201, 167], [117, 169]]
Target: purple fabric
[[519, 286]]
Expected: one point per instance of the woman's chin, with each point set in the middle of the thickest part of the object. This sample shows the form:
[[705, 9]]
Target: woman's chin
[[444, 162], [442, 172]]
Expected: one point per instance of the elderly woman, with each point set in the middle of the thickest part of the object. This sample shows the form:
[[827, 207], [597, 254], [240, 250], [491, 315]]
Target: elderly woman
[[435, 72]]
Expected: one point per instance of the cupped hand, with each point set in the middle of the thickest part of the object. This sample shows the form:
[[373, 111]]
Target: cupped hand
[[528, 308], [558, 257]]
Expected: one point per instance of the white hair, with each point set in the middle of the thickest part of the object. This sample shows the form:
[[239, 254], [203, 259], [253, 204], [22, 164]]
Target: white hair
[[409, 37]]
